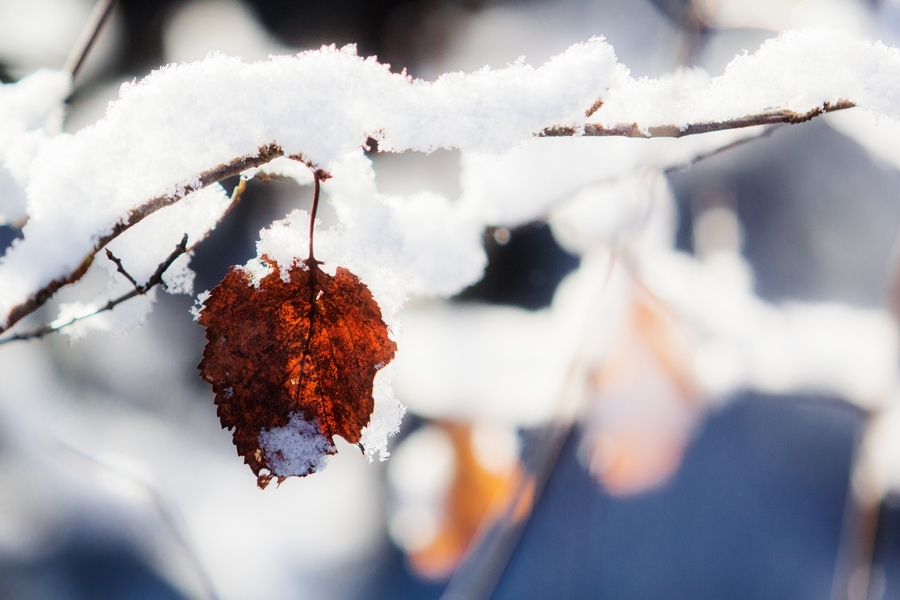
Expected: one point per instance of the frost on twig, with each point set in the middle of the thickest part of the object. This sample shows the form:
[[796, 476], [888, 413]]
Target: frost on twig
[[200, 214], [139, 290], [633, 130], [135, 216]]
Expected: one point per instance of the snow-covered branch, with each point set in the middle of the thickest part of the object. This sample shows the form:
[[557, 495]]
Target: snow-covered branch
[[181, 128], [140, 289], [169, 138], [231, 169], [634, 130]]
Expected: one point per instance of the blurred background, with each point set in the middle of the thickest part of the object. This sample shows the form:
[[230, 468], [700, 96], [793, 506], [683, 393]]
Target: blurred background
[[117, 482]]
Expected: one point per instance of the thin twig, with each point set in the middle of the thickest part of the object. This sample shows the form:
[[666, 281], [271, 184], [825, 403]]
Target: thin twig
[[40, 332], [156, 278], [224, 171], [99, 15], [489, 552], [139, 290], [121, 269], [634, 130], [768, 131], [853, 569]]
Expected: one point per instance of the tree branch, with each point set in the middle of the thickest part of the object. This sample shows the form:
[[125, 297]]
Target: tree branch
[[273, 150], [633, 130], [139, 290], [99, 15], [155, 279], [224, 171]]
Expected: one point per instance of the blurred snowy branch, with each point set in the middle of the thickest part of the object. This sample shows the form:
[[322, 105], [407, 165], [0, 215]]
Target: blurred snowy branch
[[634, 130]]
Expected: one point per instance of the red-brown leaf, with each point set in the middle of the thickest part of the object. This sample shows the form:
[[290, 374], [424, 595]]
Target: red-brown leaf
[[292, 364]]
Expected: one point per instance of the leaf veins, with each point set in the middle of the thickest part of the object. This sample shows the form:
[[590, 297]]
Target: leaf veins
[[292, 363]]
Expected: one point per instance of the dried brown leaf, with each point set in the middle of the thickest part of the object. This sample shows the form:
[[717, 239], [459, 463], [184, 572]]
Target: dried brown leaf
[[292, 363]]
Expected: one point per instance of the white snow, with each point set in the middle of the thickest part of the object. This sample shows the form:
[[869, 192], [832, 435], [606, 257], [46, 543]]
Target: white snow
[[385, 420], [182, 120], [30, 111], [297, 449], [799, 71]]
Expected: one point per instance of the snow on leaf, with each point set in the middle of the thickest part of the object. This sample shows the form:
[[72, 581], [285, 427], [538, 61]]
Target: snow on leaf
[[292, 362]]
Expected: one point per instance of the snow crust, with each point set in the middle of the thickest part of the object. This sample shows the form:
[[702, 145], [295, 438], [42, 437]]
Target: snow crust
[[386, 417], [182, 120], [799, 71], [30, 111], [297, 449]]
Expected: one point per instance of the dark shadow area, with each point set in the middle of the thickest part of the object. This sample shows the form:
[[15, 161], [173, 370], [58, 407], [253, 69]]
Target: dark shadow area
[[755, 512], [233, 241], [886, 559], [523, 270], [8, 234], [820, 218], [85, 569]]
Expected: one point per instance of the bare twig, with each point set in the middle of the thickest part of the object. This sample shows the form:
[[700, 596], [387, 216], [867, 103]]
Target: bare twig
[[121, 269], [634, 130], [214, 175], [40, 332], [488, 554], [156, 278], [735, 144], [853, 570], [139, 290], [102, 10]]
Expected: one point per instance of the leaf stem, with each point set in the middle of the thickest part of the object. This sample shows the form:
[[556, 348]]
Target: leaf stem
[[313, 265], [312, 217]]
